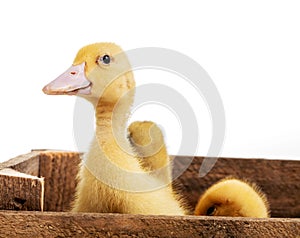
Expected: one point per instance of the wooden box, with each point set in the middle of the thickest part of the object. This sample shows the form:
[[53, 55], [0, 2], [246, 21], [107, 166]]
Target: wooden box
[[37, 189]]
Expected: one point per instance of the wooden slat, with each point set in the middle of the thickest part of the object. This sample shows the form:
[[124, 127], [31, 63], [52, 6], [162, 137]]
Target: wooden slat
[[27, 163], [19, 191], [59, 170], [47, 224], [279, 179]]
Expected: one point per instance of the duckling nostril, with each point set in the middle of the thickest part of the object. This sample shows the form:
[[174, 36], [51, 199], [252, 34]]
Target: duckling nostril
[[73, 73]]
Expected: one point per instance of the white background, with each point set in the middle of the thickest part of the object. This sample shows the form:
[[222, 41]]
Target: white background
[[251, 50]]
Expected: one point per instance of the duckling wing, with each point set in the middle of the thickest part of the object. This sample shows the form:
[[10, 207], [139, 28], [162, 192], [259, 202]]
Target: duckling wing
[[147, 140]]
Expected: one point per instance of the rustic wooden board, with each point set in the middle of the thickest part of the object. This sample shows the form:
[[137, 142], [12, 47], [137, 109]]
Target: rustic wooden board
[[27, 163], [49, 224], [279, 179], [19, 191], [59, 170]]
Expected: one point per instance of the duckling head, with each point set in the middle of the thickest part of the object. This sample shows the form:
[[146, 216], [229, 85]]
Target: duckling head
[[99, 70], [233, 197]]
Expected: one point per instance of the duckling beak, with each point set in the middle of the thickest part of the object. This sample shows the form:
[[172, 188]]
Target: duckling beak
[[71, 82]]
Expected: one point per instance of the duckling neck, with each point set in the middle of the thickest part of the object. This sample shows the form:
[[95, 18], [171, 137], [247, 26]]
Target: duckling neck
[[105, 125], [111, 122], [111, 134]]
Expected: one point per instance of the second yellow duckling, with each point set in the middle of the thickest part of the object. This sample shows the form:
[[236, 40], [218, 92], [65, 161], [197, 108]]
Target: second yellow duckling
[[233, 197]]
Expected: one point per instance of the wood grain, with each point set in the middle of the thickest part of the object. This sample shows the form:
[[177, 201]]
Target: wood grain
[[19, 191], [59, 170], [27, 163], [279, 179], [47, 224]]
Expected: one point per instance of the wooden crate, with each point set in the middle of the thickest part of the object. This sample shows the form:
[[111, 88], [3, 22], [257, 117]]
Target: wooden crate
[[37, 189]]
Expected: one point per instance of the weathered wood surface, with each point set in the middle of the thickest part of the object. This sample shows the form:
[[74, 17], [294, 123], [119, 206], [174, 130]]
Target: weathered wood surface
[[48, 224], [279, 179], [59, 170], [27, 163], [19, 191]]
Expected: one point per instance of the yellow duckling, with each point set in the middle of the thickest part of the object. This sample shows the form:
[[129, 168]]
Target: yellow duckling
[[233, 197], [112, 177]]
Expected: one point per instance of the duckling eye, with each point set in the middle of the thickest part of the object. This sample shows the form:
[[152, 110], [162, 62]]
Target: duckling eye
[[210, 211], [105, 59]]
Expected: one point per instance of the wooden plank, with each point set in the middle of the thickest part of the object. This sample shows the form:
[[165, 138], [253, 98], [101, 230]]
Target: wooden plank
[[59, 170], [49, 224], [279, 179], [27, 163], [19, 191]]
